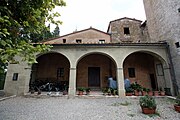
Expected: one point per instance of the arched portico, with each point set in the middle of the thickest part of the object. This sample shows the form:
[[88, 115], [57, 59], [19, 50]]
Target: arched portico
[[93, 69], [53, 68], [147, 69]]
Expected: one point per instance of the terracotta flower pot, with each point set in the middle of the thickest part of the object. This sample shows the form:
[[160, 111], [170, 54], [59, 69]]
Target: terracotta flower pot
[[177, 108], [150, 93], [129, 94], [136, 93], [156, 93], [162, 93], [148, 110], [80, 92], [144, 93]]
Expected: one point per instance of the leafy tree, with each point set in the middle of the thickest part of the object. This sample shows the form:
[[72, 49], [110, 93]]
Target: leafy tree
[[20, 22], [56, 31]]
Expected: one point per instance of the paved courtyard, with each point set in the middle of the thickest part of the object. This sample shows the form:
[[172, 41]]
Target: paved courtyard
[[62, 108]]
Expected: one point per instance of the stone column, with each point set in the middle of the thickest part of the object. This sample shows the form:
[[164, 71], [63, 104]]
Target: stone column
[[120, 82], [72, 82]]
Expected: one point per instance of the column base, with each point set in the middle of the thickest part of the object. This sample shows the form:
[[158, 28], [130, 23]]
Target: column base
[[121, 93], [71, 92]]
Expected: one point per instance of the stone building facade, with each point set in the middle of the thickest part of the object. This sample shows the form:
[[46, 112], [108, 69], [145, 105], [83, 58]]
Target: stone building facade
[[88, 57], [163, 21]]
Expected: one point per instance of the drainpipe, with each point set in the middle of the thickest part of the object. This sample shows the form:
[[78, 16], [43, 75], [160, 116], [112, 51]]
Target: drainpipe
[[172, 71]]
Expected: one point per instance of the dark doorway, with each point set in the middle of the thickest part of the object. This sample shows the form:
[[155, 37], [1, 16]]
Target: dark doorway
[[94, 76], [153, 82]]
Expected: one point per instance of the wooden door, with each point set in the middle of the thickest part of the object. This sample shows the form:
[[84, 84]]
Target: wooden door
[[94, 76]]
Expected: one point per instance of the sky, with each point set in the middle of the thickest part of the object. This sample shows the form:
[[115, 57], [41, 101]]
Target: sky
[[82, 14]]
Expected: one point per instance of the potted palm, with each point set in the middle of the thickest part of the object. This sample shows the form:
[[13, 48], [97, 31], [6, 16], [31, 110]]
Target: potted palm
[[148, 104], [177, 105], [81, 90]]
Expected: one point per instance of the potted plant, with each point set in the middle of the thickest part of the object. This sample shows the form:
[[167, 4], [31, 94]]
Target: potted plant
[[150, 93], [144, 91], [109, 91], [162, 92], [88, 91], [114, 91], [129, 91], [137, 88], [148, 104], [177, 105], [104, 90], [81, 90], [156, 92]]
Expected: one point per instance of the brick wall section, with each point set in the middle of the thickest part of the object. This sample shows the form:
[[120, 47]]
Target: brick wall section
[[94, 60], [143, 68], [163, 20], [47, 67]]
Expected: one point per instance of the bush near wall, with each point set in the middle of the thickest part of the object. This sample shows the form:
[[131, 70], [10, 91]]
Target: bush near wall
[[2, 80]]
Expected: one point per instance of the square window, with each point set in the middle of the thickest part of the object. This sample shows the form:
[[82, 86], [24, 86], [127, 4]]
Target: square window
[[126, 31], [64, 40], [101, 41], [177, 44], [60, 72], [15, 77], [78, 40], [131, 72]]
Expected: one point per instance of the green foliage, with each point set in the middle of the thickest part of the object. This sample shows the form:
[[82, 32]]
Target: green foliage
[[178, 100], [88, 89], [21, 23], [145, 89], [129, 90], [81, 89], [136, 86], [147, 102]]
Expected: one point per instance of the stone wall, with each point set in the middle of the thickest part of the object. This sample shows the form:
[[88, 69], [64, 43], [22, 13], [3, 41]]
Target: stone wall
[[116, 29], [163, 20]]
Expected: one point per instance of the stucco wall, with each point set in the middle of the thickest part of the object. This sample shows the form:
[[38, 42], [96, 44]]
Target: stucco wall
[[75, 53], [90, 35]]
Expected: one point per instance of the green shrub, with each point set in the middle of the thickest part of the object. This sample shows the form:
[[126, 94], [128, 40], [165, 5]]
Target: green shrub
[[147, 102], [81, 89], [129, 90]]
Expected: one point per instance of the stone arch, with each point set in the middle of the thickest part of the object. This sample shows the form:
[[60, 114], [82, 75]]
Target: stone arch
[[52, 67], [146, 68], [101, 64]]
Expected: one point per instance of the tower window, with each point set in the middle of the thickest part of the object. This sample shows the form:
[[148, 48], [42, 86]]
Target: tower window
[[64, 40], [131, 72], [126, 31], [78, 41], [177, 44]]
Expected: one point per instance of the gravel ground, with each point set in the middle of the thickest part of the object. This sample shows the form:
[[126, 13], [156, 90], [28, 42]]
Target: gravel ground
[[61, 108]]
